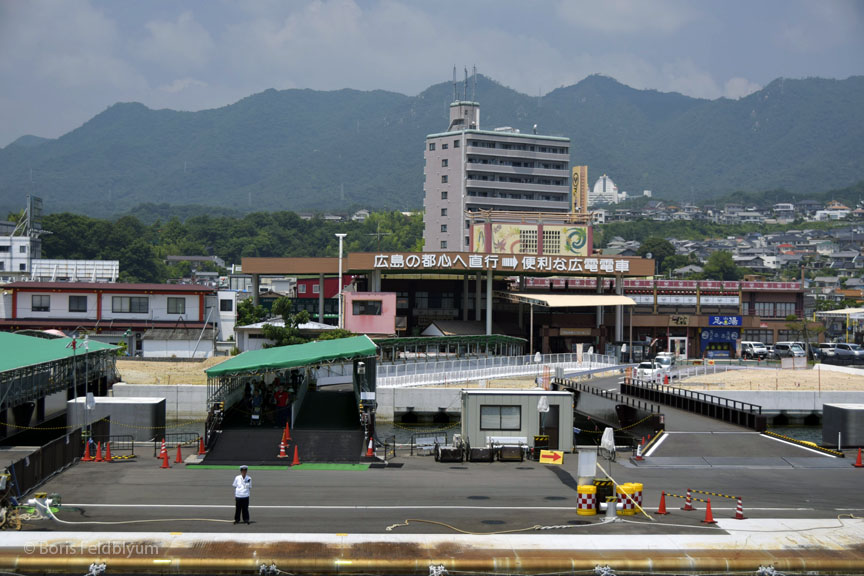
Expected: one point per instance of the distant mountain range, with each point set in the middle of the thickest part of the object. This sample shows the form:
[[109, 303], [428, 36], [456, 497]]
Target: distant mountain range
[[306, 150]]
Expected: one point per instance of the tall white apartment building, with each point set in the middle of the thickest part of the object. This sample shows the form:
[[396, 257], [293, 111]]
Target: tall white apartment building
[[468, 170]]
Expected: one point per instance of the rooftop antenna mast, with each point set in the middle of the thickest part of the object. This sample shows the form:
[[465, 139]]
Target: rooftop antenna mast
[[455, 84], [474, 85], [465, 86]]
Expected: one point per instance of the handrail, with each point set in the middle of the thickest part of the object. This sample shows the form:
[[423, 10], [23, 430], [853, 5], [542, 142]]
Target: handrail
[[176, 439]]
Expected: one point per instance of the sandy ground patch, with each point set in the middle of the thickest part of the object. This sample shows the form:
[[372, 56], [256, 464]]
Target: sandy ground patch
[[776, 379], [143, 372]]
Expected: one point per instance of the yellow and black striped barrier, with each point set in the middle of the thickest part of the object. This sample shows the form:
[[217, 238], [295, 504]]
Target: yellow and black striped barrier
[[805, 444]]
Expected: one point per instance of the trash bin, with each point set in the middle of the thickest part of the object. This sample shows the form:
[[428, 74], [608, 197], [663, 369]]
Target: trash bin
[[541, 442]]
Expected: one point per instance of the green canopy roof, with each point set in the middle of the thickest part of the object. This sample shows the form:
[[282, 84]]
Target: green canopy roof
[[298, 355], [19, 351]]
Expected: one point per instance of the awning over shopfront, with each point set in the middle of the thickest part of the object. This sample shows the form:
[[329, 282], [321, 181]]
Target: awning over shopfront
[[570, 300], [856, 313]]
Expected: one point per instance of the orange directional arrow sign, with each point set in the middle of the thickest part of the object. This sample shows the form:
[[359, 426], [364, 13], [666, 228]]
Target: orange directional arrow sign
[[551, 457]]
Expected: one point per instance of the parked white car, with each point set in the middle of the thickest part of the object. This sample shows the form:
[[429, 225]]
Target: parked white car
[[649, 371]]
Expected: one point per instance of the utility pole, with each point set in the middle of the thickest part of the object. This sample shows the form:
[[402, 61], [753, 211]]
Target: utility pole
[[378, 234]]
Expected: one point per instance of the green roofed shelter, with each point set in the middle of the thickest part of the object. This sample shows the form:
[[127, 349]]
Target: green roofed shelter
[[32, 368], [282, 357], [21, 351]]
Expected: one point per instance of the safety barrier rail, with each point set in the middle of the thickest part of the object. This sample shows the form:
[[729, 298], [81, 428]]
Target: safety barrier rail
[[610, 394], [425, 443], [119, 442], [732, 411], [176, 439], [451, 371]]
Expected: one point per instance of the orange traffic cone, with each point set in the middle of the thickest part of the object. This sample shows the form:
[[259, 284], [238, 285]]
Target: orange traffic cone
[[709, 517], [688, 502], [370, 452], [87, 457], [296, 461], [286, 435], [98, 452], [107, 452], [858, 463], [662, 509], [165, 463], [201, 450], [163, 451], [282, 453], [179, 459]]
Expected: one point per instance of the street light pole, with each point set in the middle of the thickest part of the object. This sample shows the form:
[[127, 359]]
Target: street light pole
[[339, 288]]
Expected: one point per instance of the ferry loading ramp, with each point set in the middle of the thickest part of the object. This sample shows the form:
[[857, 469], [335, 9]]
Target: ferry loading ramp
[[326, 424]]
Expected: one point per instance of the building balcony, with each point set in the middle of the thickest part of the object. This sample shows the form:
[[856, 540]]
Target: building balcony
[[474, 203], [526, 154], [499, 169], [490, 186]]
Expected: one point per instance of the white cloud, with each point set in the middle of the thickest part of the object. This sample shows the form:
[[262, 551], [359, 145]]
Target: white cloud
[[181, 84], [176, 45], [736, 88], [822, 28]]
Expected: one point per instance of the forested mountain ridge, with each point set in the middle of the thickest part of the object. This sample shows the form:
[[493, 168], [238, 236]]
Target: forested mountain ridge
[[306, 150]]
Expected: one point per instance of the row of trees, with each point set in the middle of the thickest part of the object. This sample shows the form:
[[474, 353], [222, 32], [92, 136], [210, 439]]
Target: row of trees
[[142, 249]]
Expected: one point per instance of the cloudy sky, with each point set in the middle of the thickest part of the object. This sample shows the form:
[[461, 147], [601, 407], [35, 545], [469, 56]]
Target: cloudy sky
[[64, 61]]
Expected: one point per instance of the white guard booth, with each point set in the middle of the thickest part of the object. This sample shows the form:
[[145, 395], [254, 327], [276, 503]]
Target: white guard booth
[[490, 414]]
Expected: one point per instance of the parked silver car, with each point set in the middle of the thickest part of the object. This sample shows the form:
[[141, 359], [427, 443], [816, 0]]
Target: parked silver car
[[788, 350], [850, 353]]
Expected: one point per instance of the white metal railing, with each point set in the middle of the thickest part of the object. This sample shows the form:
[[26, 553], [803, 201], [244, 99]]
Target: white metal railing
[[452, 371]]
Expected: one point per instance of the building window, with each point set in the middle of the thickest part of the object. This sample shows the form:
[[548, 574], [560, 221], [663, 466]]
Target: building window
[[443, 228], [41, 303], [444, 179], [443, 244], [77, 304], [2, 265], [784, 309], [500, 417], [367, 307], [316, 289], [226, 305], [130, 304], [22, 249], [5, 248], [444, 163], [455, 143], [552, 242], [443, 212], [431, 146], [443, 195], [528, 241], [176, 305], [301, 289], [443, 146], [22, 267]]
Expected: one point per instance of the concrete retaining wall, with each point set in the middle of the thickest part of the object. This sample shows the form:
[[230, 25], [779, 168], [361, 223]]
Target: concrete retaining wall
[[396, 400], [182, 401]]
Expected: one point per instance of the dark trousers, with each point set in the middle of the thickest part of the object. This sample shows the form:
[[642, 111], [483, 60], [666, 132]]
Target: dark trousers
[[241, 505]]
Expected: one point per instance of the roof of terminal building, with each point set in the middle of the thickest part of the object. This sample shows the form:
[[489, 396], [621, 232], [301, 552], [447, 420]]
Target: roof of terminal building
[[106, 287], [20, 351], [501, 134]]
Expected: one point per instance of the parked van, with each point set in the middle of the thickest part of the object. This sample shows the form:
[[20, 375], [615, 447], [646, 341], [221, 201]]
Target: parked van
[[788, 350], [751, 350]]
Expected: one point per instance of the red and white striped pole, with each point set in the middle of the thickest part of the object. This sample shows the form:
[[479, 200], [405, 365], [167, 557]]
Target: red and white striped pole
[[688, 502], [739, 511]]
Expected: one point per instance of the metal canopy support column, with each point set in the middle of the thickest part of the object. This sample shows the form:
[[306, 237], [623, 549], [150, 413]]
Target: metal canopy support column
[[465, 297], [321, 298], [477, 298], [256, 283], [619, 310], [489, 302]]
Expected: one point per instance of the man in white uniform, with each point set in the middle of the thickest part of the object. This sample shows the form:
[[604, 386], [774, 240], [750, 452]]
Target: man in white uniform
[[242, 489]]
